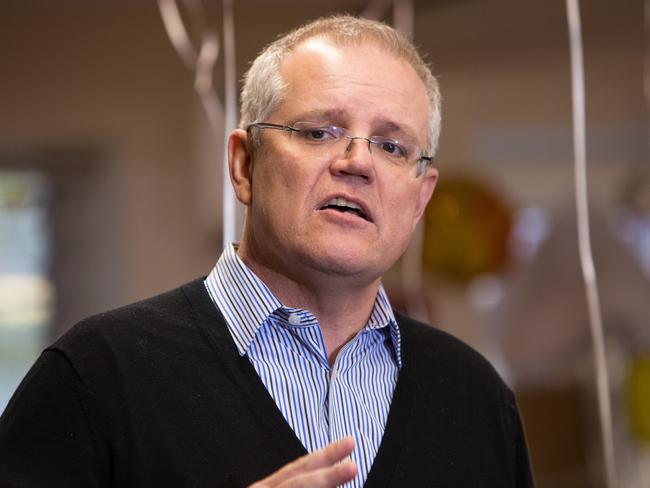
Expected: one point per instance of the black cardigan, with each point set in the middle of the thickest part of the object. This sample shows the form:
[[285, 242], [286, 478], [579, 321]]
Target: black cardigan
[[155, 394]]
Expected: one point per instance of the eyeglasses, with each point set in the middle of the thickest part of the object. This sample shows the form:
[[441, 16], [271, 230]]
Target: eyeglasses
[[319, 140]]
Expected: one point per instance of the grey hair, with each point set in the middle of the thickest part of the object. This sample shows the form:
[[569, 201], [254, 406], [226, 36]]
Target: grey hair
[[264, 88]]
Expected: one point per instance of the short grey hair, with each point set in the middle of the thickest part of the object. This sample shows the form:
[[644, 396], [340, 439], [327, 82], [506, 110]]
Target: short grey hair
[[264, 87]]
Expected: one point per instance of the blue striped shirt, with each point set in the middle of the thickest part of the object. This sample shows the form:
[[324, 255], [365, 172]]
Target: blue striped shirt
[[321, 403]]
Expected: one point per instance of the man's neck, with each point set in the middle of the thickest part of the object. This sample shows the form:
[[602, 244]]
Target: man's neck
[[341, 305]]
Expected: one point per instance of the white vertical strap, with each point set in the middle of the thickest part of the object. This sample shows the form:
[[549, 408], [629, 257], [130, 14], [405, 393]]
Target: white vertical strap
[[646, 65], [584, 243], [230, 228]]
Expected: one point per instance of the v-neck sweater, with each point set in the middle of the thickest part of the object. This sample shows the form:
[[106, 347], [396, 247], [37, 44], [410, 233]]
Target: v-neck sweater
[[155, 394]]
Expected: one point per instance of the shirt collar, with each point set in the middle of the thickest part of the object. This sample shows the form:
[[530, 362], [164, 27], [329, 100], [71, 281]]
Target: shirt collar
[[246, 302]]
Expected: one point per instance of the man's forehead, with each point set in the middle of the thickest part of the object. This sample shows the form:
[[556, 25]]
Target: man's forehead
[[307, 62], [325, 45], [318, 45]]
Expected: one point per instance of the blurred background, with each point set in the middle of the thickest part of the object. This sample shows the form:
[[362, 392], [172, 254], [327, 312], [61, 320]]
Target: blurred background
[[110, 191]]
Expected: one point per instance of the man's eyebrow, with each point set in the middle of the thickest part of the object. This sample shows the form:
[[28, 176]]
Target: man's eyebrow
[[318, 115]]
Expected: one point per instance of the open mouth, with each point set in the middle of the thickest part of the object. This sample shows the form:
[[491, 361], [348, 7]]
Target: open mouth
[[346, 206]]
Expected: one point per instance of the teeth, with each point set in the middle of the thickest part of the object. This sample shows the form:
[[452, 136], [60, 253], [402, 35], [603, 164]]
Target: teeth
[[342, 202]]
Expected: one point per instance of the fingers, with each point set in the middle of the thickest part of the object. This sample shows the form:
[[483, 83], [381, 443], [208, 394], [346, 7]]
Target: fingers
[[329, 477], [321, 468], [327, 456]]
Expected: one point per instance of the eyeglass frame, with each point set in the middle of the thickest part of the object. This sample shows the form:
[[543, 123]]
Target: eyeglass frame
[[371, 140]]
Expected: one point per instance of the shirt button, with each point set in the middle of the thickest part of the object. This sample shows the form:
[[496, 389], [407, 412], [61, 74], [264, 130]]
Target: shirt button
[[294, 319]]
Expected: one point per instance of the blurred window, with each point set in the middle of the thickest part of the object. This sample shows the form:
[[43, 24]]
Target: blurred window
[[26, 295]]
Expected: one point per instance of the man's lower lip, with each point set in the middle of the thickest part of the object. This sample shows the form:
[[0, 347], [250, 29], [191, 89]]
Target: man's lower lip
[[346, 215]]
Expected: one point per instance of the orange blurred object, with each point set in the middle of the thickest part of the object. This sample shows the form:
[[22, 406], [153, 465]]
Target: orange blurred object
[[466, 231]]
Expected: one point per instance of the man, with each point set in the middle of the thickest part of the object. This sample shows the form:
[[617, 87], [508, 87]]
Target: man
[[290, 345]]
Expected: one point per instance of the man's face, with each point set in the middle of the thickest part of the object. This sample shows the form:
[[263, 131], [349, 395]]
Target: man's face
[[290, 229]]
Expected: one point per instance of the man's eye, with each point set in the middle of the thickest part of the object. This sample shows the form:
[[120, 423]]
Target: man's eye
[[318, 134], [393, 148]]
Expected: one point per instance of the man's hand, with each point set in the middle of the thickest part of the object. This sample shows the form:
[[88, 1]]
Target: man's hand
[[320, 469]]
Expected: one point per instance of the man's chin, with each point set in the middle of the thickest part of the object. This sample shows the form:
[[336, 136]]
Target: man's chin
[[356, 268]]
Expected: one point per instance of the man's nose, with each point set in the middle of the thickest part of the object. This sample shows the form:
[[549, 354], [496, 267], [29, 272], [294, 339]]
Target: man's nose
[[356, 159]]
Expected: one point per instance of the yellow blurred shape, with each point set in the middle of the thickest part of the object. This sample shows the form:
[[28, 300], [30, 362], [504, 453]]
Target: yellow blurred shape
[[638, 397]]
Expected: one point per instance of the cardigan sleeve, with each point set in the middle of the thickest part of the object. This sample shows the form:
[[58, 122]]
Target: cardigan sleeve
[[46, 438]]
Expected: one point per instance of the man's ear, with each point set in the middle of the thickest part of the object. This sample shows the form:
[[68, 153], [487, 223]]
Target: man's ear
[[424, 195], [240, 165]]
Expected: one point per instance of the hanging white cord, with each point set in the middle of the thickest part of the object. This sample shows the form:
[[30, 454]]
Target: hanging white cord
[[176, 32], [646, 67], [203, 66], [584, 243], [230, 231]]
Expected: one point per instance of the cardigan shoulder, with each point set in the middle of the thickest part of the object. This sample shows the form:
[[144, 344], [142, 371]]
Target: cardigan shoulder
[[168, 308], [153, 393], [438, 352], [122, 353], [462, 405], [163, 324]]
